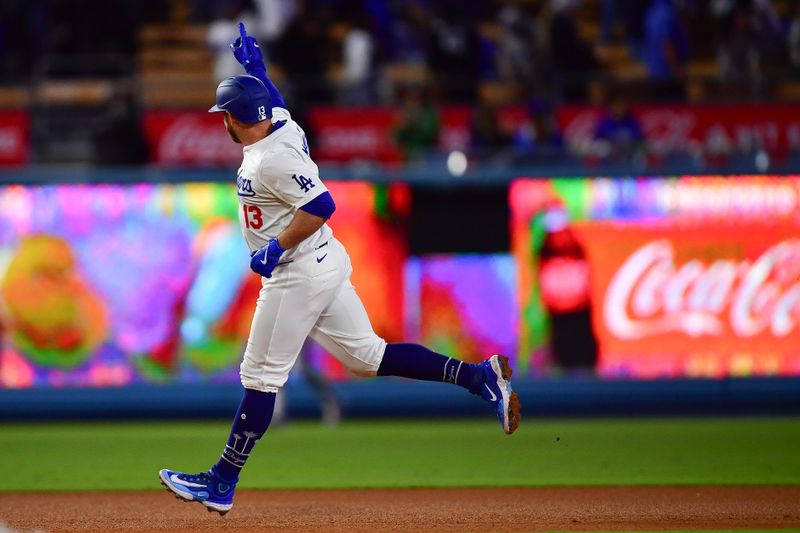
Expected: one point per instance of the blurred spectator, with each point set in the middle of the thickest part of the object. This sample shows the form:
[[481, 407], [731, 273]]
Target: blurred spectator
[[770, 32], [633, 13], [619, 134], [573, 57], [80, 46], [381, 18], [121, 141], [608, 20], [222, 31], [454, 53], [539, 135], [409, 34], [738, 49], [18, 22], [794, 40], [630, 15], [666, 50], [488, 140], [274, 17], [358, 52], [489, 58], [417, 131], [304, 51], [521, 53]]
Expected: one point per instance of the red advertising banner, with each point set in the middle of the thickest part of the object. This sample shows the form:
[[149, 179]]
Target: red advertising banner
[[192, 138], [14, 137], [345, 134], [690, 276], [196, 138], [710, 128], [348, 134], [718, 300]]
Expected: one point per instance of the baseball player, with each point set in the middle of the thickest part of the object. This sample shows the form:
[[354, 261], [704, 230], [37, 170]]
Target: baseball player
[[306, 289]]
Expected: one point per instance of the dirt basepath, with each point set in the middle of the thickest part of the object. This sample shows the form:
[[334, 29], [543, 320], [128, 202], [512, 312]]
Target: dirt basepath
[[522, 509]]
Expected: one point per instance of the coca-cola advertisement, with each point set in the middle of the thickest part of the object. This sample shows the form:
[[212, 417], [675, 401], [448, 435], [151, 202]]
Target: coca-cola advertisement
[[14, 137], [369, 134], [687, 277], [347, 134], [193, 138], [708, 129]]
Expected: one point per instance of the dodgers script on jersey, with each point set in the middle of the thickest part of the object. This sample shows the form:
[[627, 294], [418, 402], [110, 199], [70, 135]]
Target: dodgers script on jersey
[[277, 177]]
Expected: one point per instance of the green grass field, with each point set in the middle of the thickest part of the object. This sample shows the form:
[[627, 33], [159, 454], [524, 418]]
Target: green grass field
[[110, 456]]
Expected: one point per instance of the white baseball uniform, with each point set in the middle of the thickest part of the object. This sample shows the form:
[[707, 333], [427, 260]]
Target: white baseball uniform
[[309, 292]]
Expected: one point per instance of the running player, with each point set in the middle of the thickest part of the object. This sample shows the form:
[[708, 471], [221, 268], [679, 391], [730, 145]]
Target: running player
[[306, 289]]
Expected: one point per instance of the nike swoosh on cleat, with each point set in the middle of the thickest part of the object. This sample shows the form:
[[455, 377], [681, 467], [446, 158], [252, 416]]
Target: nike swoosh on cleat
[[494, 398], [175, 479], [319, 259]]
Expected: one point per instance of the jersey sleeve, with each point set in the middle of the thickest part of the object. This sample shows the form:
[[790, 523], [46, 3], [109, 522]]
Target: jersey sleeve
[[291, 178]]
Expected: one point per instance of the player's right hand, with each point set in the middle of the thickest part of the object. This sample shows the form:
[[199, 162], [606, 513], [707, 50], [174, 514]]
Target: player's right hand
[[264, 260], [246, 50]]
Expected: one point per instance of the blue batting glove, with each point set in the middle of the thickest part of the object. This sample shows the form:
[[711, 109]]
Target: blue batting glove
[[264, 260], [247, 52]]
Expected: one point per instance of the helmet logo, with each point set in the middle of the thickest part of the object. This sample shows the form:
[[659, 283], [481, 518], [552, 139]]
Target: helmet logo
[[262, 113]]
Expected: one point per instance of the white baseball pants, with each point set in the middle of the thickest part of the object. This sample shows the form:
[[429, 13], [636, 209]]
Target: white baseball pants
[[310, 296]]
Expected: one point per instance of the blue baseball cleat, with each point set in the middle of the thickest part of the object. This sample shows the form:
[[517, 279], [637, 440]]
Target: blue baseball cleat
[[497, 391], [206, 488]]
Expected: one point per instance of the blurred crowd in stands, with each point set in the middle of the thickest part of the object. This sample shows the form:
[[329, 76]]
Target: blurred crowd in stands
[[417, 54], [340, 50]]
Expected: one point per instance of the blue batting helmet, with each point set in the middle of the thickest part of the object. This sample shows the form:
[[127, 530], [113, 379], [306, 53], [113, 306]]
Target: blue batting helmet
[[244, 97]]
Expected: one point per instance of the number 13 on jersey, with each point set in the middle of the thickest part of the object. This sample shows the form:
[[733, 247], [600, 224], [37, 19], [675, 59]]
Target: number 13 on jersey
[[252, 216]]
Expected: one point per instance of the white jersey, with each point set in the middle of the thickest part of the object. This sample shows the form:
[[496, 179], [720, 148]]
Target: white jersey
[[311, 295], [278, 177]]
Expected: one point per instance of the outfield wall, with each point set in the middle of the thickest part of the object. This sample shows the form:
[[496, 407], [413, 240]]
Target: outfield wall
[[668, 292], [574, 397]]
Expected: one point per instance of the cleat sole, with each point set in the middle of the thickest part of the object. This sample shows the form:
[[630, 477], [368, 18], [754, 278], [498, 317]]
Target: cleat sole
[[505, 367], [514, 404], [514, 416]]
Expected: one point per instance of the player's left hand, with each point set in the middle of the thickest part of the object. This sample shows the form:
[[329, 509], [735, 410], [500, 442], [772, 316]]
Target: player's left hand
[[246, 50], [264, 260]]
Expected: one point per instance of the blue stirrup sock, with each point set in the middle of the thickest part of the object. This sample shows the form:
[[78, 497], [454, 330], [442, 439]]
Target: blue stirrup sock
[[251, 422], [417, 362]]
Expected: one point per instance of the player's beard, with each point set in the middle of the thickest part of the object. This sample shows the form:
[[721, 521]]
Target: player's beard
[[229, 127]]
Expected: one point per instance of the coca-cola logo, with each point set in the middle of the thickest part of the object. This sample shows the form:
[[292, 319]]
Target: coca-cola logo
[[650, 294], [667, 130], [717, 130], [191, 139]]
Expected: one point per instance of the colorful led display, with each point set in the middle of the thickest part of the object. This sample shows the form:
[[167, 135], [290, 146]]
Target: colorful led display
[[463, 306], [106, 285], [669, 277]]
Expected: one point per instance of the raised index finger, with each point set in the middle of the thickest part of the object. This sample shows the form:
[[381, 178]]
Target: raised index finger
[[242, 31]]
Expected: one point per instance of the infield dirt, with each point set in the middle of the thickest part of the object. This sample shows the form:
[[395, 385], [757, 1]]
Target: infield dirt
[[501, 509]]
